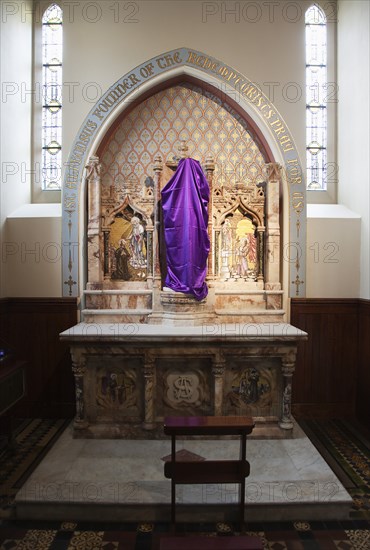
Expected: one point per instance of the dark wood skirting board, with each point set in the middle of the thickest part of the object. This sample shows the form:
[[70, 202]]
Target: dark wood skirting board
[[30, 327], [363, 374]]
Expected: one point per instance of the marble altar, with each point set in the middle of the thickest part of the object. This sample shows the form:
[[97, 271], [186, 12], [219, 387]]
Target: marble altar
[[142, 351], [130, 376]]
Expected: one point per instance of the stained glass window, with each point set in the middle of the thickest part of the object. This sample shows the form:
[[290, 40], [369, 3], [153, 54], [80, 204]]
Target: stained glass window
[[316, 91], [52, 50]]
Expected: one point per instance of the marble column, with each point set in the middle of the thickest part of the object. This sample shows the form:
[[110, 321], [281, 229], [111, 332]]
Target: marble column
[[107, 273], [149, 383], [218, 371], [261, 252], [158, 167], [210, 168], [217, 253], [149, 255], [288, 366], [93, 229], [272, 275], [79, 371]]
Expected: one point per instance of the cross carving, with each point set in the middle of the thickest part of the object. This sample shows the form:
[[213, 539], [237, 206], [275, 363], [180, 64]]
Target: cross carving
[[70, 283], [297, 282]]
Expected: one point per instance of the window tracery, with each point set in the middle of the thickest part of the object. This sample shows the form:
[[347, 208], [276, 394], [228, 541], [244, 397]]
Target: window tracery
[[52, 55], [316, 98]]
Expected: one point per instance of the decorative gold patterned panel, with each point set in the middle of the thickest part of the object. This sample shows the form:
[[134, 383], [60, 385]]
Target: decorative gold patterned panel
[[209, 126]]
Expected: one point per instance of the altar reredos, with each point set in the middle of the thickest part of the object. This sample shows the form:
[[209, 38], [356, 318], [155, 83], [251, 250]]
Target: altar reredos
[[183, 61]]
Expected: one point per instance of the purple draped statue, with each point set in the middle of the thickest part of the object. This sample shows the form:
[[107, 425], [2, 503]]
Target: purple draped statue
[[185, 218]]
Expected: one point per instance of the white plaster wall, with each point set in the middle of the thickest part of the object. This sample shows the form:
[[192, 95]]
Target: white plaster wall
[[33, 251], [104, 40], [256, 40], [353, 123], [15, 115], [332, 259]]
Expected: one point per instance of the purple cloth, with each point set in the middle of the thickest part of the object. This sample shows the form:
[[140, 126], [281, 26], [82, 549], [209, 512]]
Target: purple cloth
[[185, 218]]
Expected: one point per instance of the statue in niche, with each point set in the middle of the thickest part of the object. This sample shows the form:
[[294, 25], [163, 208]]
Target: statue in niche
[[245, 250], [245, 257], [127, 248], [240, 258], [122, 256], [238, 248], [137, 259]]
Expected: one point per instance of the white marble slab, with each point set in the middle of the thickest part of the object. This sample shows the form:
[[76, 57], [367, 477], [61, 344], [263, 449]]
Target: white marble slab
[[207, 332], [91, 473]]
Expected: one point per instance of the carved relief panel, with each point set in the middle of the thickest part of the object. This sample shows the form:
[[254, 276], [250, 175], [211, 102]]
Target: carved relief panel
[[252, 387], [116, 389], [184, 387]]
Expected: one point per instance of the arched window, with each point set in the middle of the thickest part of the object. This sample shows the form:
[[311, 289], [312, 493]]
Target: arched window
[[316, 93], [52, 54]]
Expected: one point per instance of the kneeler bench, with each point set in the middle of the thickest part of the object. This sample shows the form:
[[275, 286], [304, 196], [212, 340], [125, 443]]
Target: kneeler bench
[[209, 471]]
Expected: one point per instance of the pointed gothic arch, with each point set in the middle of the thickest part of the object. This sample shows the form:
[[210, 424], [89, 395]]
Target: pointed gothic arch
[[143, 81]]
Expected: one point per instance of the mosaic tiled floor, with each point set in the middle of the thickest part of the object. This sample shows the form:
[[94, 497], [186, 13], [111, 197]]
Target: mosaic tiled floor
[[32, 440], [344, 447], [348, 535]]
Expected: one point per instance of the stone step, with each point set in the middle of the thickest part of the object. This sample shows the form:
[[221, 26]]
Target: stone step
[[119, 300], [115, 315], [123, 480]]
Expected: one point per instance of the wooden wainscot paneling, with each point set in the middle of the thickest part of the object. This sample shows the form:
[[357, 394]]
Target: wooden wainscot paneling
[[363, 375], [31, 328], [325, 379]]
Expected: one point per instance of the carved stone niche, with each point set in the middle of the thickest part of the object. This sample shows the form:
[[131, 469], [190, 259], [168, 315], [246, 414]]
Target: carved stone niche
[[126, 258]]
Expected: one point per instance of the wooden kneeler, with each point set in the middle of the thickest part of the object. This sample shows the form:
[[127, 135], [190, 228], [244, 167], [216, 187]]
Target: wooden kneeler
[[209, 471]]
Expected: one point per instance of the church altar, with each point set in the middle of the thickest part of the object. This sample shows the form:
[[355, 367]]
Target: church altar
[[130, 376], [148, 346]]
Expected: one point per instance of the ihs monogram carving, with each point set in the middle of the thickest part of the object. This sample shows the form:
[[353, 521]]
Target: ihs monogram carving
[[183, 388]]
